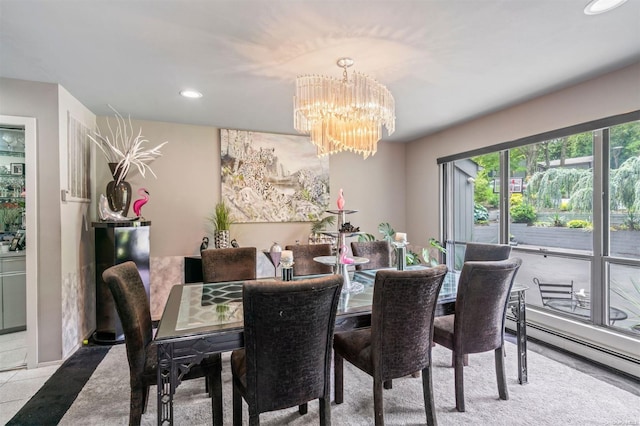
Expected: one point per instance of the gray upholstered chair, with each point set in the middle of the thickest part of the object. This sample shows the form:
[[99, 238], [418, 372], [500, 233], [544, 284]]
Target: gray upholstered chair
[[400, 338], [132, 306], [303, 263], [484, 251], [286, 360], [229, 264], [478, 322], [378, 253]]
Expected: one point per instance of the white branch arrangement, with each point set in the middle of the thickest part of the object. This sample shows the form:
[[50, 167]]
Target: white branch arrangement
[[125, 149]]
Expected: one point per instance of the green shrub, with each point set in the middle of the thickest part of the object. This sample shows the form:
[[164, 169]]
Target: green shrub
[[558, 220], [522, 213], [480, 213], [515, 199], [578, 223]]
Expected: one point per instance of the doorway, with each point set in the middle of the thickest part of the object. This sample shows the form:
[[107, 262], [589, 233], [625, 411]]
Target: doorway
[[19, 267]]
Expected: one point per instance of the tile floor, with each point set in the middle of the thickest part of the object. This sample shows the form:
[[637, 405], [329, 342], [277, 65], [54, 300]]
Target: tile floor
[[13, 350], [17, 384]]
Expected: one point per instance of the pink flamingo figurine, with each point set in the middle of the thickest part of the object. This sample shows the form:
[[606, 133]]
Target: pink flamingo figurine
[[137, 205], [341, 200], [344, 259]]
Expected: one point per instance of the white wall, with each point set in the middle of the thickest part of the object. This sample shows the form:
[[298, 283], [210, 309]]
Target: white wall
[[614, 93]]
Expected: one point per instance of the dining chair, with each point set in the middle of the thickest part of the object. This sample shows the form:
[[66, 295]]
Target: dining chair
[[378, 253], [303, 263], [229, 264], [132, 305], [400, 338], [286, 360], [477, 324], [486, 251]]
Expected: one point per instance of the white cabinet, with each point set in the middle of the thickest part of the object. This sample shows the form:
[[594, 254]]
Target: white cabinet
[[13, 293]]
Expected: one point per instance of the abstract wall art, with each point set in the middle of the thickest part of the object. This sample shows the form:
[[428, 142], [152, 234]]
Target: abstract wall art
[[269, 177]]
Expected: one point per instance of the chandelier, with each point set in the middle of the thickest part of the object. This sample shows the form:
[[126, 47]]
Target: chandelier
[[343, 115]]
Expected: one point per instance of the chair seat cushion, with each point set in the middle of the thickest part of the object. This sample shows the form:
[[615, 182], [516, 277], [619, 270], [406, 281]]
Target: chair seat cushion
[[355, 347], [443, 330]]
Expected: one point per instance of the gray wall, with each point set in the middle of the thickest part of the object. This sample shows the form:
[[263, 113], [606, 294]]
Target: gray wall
[[188, 187], [40, 100]]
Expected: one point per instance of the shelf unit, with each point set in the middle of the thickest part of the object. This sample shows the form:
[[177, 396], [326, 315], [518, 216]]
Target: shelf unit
[[341, 241], [12, 186]]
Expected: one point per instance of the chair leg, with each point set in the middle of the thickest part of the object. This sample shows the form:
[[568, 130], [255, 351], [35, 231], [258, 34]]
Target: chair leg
[[215, 390], [325, 412], [427, 390], [459, 382], [303, 409], [378, 406], [145, 399], [338, 378], [500, 373], [237, 406], [465, 359], [136, 405], [254, 419]]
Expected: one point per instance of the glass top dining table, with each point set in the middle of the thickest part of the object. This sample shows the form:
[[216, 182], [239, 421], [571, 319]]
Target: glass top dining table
[[203, 319], [192, 309]]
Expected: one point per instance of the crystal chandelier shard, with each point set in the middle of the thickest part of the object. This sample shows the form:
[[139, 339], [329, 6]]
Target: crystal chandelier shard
[[343, 115]]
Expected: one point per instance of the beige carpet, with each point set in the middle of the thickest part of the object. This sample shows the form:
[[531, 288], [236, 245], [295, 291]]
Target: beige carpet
[[555, 395]]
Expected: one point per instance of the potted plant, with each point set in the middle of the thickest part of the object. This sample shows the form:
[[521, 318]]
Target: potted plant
[[221, 220], [317, 226], [432, 253]]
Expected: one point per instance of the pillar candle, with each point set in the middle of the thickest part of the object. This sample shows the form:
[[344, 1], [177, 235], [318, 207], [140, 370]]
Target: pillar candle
[[401, 236], [286, 255]]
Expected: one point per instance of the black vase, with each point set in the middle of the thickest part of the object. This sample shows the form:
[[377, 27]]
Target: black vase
[[118, 195]]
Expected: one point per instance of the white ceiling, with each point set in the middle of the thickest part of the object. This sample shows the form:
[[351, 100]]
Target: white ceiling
[[445, 61]]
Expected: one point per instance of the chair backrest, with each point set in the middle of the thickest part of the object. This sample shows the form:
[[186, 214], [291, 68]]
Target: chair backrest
[[482, 251], [132, 305], [402, 315], [555, 291], [229, 264], [378, 253], [481, 304], [288, 336], [303, 263]]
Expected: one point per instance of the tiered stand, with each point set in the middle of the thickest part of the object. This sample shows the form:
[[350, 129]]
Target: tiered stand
[[341, 241]]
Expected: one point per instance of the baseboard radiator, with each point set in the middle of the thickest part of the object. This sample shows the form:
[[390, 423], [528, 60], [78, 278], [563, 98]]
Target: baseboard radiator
[[608, 357]]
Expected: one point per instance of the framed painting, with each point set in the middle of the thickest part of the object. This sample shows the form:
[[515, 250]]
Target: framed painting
[[268, 177]]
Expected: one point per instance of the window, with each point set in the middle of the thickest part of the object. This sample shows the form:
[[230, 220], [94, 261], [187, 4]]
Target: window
[[78, 161], [539, 195]]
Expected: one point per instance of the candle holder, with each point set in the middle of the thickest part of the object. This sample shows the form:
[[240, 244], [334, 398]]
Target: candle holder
[[287, 273], [401, 254], [286, 261]]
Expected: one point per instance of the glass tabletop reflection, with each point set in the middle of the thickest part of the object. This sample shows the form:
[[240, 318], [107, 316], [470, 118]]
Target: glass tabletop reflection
[[217, 307]]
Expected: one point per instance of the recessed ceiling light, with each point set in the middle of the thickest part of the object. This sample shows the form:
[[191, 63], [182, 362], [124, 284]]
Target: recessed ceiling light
[[596, 7], [191, 94]]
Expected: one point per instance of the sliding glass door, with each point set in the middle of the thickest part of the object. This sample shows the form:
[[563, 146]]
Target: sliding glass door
[[569, 204], [622, 262]]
